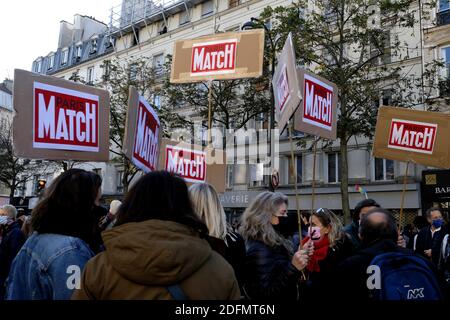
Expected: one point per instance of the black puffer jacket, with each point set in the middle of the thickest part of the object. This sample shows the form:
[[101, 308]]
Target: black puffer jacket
[[269, 273]]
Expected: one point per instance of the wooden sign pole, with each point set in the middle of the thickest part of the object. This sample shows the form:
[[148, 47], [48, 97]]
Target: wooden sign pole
[[297, 198]]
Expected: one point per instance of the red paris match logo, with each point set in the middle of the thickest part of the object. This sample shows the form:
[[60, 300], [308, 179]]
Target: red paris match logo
[[145, 150], [318, 102], [65, 119], [412, 136], [215, 57], [189, 164], [283, 93]]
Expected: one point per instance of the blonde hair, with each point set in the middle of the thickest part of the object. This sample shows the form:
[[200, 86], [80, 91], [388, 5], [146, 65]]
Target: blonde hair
[[207, 206], [328, 218], [256, 220]]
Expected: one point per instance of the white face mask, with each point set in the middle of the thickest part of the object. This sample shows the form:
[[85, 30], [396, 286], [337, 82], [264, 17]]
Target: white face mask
[[3, 220]]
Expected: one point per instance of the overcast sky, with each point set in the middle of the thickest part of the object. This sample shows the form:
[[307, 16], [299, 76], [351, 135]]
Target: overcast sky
[[30, 28]]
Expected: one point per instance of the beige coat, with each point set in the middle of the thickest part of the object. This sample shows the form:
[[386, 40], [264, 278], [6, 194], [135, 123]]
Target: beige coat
[[142, 259]]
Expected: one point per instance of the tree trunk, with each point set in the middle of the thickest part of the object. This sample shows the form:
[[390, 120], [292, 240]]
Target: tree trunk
[[126, 174], [344, 180], [12, 190]]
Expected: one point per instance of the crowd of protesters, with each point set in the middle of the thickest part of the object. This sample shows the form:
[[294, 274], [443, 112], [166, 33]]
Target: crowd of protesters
[[168, 241]]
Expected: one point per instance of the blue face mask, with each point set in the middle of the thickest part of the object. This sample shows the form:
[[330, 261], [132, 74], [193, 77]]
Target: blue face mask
[[438, 223]]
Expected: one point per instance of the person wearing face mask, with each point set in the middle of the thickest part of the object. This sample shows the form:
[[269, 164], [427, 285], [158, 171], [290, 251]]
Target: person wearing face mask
[[12, 241], [331, 246], [272, 268], [429, 239]]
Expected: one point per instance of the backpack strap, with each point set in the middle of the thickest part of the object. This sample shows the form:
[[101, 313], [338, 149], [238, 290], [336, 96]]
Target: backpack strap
[[176, 292]]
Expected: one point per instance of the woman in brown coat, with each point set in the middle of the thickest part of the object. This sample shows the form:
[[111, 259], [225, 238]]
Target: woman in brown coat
[[158, 250]]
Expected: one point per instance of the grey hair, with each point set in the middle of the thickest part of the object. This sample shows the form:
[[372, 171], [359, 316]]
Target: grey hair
[[10, 210], [256, 220]]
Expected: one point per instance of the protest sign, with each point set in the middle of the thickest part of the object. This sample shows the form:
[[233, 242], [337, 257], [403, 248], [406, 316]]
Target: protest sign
[[222, 56], [413, 136], [317, 114], [142, 133], [59, 120], [194, 163], [286, 85]]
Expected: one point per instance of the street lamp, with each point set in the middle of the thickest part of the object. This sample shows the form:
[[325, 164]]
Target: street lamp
[[252, 24]]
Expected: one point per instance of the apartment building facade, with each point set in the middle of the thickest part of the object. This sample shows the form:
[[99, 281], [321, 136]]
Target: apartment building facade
[[149, 28]]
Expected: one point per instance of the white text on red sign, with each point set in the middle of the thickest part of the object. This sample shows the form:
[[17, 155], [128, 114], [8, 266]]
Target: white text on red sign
[[318, 103], [145, 151], [412, 136], [189, 164], [283, 92], [65, 119], [215, 57]]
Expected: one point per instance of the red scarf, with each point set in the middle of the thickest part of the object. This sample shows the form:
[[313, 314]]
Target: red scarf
[[320, 252]]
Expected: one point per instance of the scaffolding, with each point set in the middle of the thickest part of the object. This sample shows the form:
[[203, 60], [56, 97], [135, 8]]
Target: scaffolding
[[132, 15]]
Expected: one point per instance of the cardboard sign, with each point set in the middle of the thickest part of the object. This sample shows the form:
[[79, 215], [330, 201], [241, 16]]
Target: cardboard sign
[[410, 135], [286, 85], [195, 164], [222, 56], [317, 114], [142, 133], [65, 120]]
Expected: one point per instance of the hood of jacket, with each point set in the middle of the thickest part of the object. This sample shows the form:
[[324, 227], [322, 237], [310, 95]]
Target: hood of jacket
[[155, 252]]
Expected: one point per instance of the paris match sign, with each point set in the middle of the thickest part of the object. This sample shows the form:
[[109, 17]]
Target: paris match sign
[[317, 114], [223, 56], [194, 163], [410, 135], [286, 85], [142, 133], [64, 120]]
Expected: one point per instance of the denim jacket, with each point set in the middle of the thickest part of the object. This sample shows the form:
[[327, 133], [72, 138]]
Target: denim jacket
[[48, 267]]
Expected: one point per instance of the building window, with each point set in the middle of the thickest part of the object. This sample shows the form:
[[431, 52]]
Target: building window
[[384, 169], [119, 181], [162, 28], [297, 168], [51, 61], [106, 69], [135, 37], [158, 64], [445, 54], [38, 66], [64, 56], [207, 8], [185, 17], [444, 5], [230, 175], [90, 75], [334, 167], [443, 16], [385, 48], [234, 3], [93, 46], [78, 52]]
